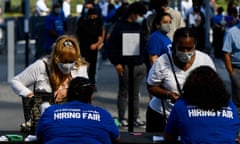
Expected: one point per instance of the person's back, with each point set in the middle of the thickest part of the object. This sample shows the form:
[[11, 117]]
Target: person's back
[[203, 126], [217, 23], [77, 121], [205, 113]]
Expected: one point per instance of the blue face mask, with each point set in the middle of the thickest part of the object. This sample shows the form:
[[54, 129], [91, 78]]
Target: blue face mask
[[139, 20]]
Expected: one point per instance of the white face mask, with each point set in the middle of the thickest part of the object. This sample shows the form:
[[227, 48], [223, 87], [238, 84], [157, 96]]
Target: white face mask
[[65, 67], [139, 20], [184, 57], [165, 28]]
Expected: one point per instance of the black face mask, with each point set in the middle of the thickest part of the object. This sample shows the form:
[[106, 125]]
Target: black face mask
[[92, 21]]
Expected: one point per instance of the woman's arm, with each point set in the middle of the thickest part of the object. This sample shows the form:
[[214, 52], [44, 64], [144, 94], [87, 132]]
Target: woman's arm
[[21, 82], [160, 92], [228, 63]]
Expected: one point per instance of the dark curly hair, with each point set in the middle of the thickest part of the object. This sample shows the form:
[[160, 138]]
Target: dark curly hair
[[204, 88], [80, 89]]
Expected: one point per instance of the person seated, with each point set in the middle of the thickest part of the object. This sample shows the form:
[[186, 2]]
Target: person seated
[[205, 113], [77, 120]]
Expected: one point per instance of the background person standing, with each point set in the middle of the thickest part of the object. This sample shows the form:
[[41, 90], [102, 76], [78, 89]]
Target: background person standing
[[131, 22], [54, 27], [90, 33], [231, 49], [66, 7]]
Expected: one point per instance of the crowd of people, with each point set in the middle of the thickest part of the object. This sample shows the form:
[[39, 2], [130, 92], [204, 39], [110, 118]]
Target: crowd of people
[[167, 51]]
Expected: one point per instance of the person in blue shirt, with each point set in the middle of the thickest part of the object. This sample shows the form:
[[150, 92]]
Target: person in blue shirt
[[205, 113], [231, 52], [54, 27], [77, 121], [158, 42]]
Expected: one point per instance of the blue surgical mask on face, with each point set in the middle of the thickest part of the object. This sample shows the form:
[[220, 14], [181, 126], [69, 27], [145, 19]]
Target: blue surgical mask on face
[[139, 20], [184, 57], [65, 67]]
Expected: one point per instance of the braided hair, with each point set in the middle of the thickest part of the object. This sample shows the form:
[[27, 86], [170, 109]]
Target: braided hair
[[184, 32]]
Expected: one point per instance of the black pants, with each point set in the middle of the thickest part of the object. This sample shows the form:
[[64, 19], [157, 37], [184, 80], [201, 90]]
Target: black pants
[[92, 60], [155, 122]]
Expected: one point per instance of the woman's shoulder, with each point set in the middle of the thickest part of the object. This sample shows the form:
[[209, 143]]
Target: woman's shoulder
[[200, 53], [201, 56], [39, 62]]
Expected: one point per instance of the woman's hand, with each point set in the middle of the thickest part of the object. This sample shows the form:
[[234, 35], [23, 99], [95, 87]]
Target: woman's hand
[[60, 94], [30, 95], [172, 96]]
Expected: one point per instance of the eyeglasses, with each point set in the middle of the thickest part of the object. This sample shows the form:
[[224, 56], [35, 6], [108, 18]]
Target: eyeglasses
[[67, 43]]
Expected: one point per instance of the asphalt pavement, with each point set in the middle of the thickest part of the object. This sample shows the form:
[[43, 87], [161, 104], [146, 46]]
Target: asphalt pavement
[[11, 113]]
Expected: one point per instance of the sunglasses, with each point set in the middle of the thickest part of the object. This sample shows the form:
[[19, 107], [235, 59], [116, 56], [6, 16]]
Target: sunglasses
[[67, 43]]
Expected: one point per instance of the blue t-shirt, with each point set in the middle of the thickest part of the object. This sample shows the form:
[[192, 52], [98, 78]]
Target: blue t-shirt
[[232, 44], [76, 123], [158, 44], [56, 23], [194, 125], [217, 19]]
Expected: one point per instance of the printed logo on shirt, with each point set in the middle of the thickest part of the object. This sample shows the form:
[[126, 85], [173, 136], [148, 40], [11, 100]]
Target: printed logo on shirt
[[60, 114], [194, 111]]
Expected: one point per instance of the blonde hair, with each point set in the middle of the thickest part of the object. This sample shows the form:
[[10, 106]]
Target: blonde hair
[[66, 47]]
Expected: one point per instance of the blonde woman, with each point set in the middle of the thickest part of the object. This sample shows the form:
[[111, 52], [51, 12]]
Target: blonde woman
[[51, 74]]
